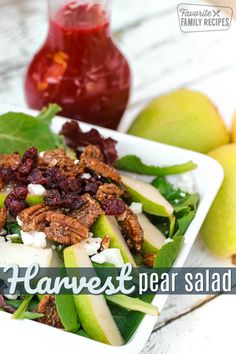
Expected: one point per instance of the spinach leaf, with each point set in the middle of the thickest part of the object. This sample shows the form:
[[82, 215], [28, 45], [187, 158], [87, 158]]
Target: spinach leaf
[[19, 131], [167, 254], [134, 164], [67, 312], [12, 228]]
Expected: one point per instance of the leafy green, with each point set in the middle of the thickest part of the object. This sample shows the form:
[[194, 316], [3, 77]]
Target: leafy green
[[19, 131], [134, 164], [67, 312], [167, 254], [30, 315], [12, 228], [19, 313]]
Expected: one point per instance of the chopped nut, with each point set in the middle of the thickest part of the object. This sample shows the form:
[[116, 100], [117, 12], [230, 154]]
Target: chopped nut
[[1, 184], [47, 306], [132, 230], [89, 212], [59, 158], [11, 161], [108, 191], [64, 229], [101, 168], [34, 217], [92, 152], [148, 259], [3, 217], [105, 243]]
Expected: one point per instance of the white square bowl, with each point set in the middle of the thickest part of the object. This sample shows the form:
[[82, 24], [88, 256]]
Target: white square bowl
[[208, 178]]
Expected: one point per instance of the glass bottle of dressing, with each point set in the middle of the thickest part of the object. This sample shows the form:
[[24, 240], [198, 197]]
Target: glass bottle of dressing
[[79, 66]]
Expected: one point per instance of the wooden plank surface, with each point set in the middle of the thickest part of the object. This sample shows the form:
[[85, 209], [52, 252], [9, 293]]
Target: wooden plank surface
[[162, 59]]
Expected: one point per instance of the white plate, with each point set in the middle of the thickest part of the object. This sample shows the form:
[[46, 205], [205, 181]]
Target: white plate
[[33, 337]]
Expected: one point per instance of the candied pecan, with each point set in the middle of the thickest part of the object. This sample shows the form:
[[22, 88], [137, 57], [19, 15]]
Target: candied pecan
[[34, 217], [11, 161], [132, 230], [64, 229], [58, 158], [1, 184], [105, 244], [47, 306], [3, 217], [113, 206], [148, 259], [92, 152], [89, 212], [108, 191], [15, 200], [101, 168]]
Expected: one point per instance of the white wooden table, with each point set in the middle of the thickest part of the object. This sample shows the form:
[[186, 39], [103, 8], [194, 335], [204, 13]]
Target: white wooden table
[[162, 58]]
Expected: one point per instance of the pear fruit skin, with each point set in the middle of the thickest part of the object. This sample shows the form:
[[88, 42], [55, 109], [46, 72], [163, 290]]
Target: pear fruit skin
[[153, 238], [234, 128], [219, 229], [107, 225], [93, 311], [182, 118]]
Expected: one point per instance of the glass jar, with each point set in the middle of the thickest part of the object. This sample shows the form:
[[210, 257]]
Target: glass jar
[[79, 66]]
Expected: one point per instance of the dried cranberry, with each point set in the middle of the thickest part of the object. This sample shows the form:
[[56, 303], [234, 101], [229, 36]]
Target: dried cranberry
[[26, 167], [36, 177], [71, 201], [31, 154], [90, 188], [15, 201], [6, 174], [54, 177], [70, 184], [53, 198], [113, 206]]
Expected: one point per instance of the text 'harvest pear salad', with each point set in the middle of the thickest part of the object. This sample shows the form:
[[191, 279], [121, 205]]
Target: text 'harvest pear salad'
[[63, 203]]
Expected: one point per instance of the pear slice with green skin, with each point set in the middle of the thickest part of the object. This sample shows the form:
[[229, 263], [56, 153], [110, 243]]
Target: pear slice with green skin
[[93, 311], [107, 225], [133, 304], [153, 238], [31, 199], [152, 200], [24, 255]]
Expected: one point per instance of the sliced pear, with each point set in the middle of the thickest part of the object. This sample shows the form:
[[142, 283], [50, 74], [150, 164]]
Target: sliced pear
[[153, 238], [107, 225], [93, 312], [23, 255], [152, 200]]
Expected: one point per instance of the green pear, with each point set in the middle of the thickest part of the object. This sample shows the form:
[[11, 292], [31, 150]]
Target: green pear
[[183, 118], [153, 238], [219, 228], [24, 255], [93, 311], [152, 200], [107, 225]]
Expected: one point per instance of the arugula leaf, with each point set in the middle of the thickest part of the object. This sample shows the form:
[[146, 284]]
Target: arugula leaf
[[48, 113], [134, 164], [167, 254], [19, 131]]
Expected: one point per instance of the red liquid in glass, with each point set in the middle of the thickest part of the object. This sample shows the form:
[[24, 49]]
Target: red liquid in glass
[[80, 68]]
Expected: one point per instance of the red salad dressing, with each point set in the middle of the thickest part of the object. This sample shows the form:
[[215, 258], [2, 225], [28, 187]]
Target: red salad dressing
[[80, 68]]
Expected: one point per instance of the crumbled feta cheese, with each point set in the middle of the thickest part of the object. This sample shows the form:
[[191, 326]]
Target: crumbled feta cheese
[[2, 239], [19, 222], [136, 208], [92, 245], [36, 189], [3, 232], [86, 176], [11, 297], [41, 154], [184, 182], [34, 238], [111, 255], [76, 162]]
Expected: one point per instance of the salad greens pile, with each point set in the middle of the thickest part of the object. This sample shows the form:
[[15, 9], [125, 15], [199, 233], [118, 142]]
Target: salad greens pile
[[18, 131]]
